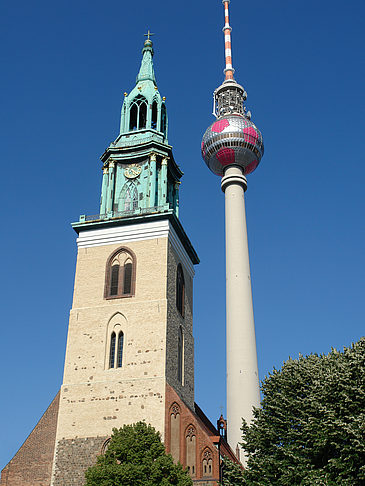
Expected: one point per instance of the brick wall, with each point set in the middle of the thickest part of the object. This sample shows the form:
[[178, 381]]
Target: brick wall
[[206, 438], [32, 464]]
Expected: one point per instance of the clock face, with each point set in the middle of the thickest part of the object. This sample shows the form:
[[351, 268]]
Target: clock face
[[132, 171]]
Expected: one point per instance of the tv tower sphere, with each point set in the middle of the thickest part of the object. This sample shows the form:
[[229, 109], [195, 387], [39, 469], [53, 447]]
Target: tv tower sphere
[[233, 139]]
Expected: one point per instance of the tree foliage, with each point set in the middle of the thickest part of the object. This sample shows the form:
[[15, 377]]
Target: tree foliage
[[136, 457], [232, 473], [311, 427]]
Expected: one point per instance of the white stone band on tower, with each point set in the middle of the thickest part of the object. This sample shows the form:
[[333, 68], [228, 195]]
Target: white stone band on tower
[[243, 390]]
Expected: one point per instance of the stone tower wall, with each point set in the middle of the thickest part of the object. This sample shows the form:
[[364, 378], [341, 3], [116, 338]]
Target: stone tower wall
[[94, 398], [175, 320]]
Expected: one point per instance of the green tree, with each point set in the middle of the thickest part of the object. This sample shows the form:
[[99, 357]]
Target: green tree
[[310, 429], [233, 474], [136, 457]]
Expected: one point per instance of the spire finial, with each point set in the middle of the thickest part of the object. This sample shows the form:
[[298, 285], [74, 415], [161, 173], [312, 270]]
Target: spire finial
[[146, 71], [229, 71], [148, 35], [148, 41]]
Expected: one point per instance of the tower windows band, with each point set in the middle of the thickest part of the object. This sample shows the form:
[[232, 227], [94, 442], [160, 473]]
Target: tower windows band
[[180, 290], [116, 350], [120, 275]]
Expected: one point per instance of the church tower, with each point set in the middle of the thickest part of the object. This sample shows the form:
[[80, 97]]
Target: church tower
[[130, 330]]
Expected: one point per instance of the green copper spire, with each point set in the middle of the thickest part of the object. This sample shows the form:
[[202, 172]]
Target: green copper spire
[[146, 71], [141, 179], [143, 108]]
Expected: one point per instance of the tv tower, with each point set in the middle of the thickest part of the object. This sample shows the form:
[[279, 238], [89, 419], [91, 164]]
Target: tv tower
[[232, 147]]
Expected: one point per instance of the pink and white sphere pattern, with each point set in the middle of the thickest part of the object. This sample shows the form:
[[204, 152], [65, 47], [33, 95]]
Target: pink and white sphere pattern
[[232, 140]]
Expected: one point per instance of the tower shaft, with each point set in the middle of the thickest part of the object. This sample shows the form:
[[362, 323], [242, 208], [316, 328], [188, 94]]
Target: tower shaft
[[243, 390]]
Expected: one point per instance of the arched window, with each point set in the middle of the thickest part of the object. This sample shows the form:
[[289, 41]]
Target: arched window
[[116, 350], [190, 445], [105, 446], [133, 117], [207, 463], [180, 356], [175, 432], [154, 115], [138, 113], [112, 350], [120, 350], [129, 197], [163, 120], [180, 290], [120, 274], [142, 115]]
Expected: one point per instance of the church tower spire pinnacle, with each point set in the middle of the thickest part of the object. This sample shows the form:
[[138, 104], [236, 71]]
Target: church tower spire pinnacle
[[146, 72], [140, 175], [144, 109]]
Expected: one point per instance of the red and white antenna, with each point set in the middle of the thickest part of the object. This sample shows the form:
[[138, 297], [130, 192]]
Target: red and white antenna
[[229, 71]]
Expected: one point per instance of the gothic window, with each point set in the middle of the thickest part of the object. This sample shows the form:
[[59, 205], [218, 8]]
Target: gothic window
[[175, 432], [129, 197], [112, 350], [138, 113], [120, 350], [163, 120], [180, 356], [120, 274], [180, 290], [154, 115], [207, 463], [142, 115], [116, 350], [133, 117], [190, 444]]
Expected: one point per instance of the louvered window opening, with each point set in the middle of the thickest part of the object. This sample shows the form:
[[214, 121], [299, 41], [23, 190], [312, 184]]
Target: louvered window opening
[[114, 281], [121, 280]]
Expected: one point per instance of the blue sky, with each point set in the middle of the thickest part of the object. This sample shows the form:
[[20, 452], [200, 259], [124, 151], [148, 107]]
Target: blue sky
[[65, 66]]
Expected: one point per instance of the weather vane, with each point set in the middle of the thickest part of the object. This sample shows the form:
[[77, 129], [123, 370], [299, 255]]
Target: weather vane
[[148, 35]]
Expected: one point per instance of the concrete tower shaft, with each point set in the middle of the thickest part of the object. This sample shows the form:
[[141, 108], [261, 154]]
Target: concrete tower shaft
[[243, 390]]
